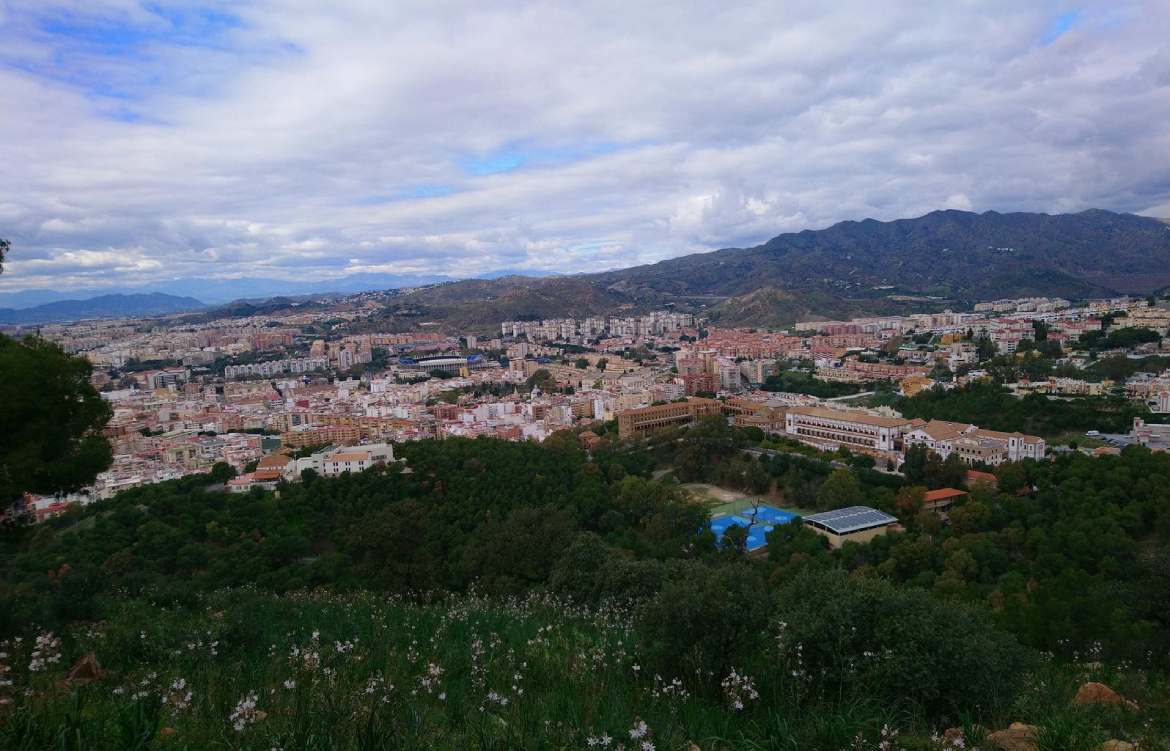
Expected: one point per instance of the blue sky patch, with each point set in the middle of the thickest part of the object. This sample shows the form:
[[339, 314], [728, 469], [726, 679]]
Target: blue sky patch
[[515, 156], [407, 194], [112, 55], [1060, 26]]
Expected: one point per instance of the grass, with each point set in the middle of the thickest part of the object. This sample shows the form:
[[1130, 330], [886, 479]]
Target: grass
[[720, 501], [1077, 437], [463, 672], [713, 495]]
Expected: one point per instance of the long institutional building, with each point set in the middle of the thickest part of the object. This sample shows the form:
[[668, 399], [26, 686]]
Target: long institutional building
[[634, 423], [883, 436], [887, 437], [830, 429]]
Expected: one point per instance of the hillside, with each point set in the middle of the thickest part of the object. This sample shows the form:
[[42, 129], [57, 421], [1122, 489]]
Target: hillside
[[104, 306], [942, 258], [511, 595]]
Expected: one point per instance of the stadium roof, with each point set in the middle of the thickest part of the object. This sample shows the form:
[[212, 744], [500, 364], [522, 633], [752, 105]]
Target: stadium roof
[[850, 519]]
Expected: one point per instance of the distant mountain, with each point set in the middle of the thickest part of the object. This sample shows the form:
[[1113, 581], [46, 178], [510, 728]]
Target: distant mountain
[[955, 254], [945, 258], [105, 306], [220, 291]]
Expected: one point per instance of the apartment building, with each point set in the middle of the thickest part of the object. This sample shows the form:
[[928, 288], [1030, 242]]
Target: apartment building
[[319, 435], [757, 371], [1007, 333]]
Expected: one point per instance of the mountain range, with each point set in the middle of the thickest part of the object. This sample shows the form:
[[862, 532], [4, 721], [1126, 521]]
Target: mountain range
[[945, 258], [942, 259], [104, 306], [219, 291]]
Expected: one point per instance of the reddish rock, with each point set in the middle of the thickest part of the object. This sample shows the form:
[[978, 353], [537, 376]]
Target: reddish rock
[[1098, 693], [950, 735], [1017, 737], [85, 670]]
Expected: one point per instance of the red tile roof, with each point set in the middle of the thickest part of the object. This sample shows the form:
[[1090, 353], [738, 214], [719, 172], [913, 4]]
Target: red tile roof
[[943, 494]]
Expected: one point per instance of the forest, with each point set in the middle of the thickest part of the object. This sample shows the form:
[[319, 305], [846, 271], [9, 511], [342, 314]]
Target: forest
[[992, 406]]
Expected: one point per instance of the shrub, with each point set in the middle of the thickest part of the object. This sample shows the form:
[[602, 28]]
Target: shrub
[[705, 620], [900, 647]]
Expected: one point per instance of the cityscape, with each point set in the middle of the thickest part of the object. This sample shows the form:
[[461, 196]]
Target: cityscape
[[584, 376], [248, 391]]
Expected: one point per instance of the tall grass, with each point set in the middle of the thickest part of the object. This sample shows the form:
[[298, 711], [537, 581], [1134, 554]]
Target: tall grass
[[316, 671]]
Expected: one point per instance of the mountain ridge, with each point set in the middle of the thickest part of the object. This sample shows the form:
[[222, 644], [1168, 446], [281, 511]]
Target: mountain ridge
[[103, 306], [943, 258]]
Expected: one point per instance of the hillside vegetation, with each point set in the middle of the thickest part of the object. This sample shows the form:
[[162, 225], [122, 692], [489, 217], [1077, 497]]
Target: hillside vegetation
[[569, 596]]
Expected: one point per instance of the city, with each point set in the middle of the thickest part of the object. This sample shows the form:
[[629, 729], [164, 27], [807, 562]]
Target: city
[[246, 391], [584, 376]]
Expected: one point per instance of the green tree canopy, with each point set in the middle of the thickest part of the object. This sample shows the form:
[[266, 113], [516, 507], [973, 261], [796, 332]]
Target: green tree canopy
[[50, 439], [543, 380], [839, 490]]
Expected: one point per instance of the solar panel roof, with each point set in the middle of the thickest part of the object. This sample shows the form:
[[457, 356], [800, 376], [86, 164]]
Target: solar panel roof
[[851, 519]]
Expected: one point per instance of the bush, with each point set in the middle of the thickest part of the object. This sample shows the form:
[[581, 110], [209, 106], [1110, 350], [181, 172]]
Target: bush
[[865, 638], [705, 620]]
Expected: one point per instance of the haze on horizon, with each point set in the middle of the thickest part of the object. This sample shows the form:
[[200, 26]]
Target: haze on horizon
[[151, 141]]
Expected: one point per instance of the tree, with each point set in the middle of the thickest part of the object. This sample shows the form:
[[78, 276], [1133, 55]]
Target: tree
[[944, 473], [705, 620], [543, 380], [839, 490], [1012, 477], [222, 472], [941, 372], [51, 421], [756, 478], [909, 500], [985, 349], [838, 624], [735, 540], [794, 538], [5, 246], [862, 461]]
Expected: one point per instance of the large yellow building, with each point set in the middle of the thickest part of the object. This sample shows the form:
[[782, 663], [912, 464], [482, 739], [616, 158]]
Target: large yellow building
[[637, 422]]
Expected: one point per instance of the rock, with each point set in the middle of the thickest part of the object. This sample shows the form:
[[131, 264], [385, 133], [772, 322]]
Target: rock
[[1099, 693], [85, 670], [955, 737], [1117, 746], [950, 735], [1017, 737]]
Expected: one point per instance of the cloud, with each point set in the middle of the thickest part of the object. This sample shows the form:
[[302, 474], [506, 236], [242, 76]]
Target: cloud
[[150, 141]]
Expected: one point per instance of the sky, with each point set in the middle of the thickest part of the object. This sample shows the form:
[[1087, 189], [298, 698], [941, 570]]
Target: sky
[[145, 142]]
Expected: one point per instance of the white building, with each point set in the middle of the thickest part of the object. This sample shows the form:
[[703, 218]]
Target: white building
[[974, 444], [333, 462], [830, 429]]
